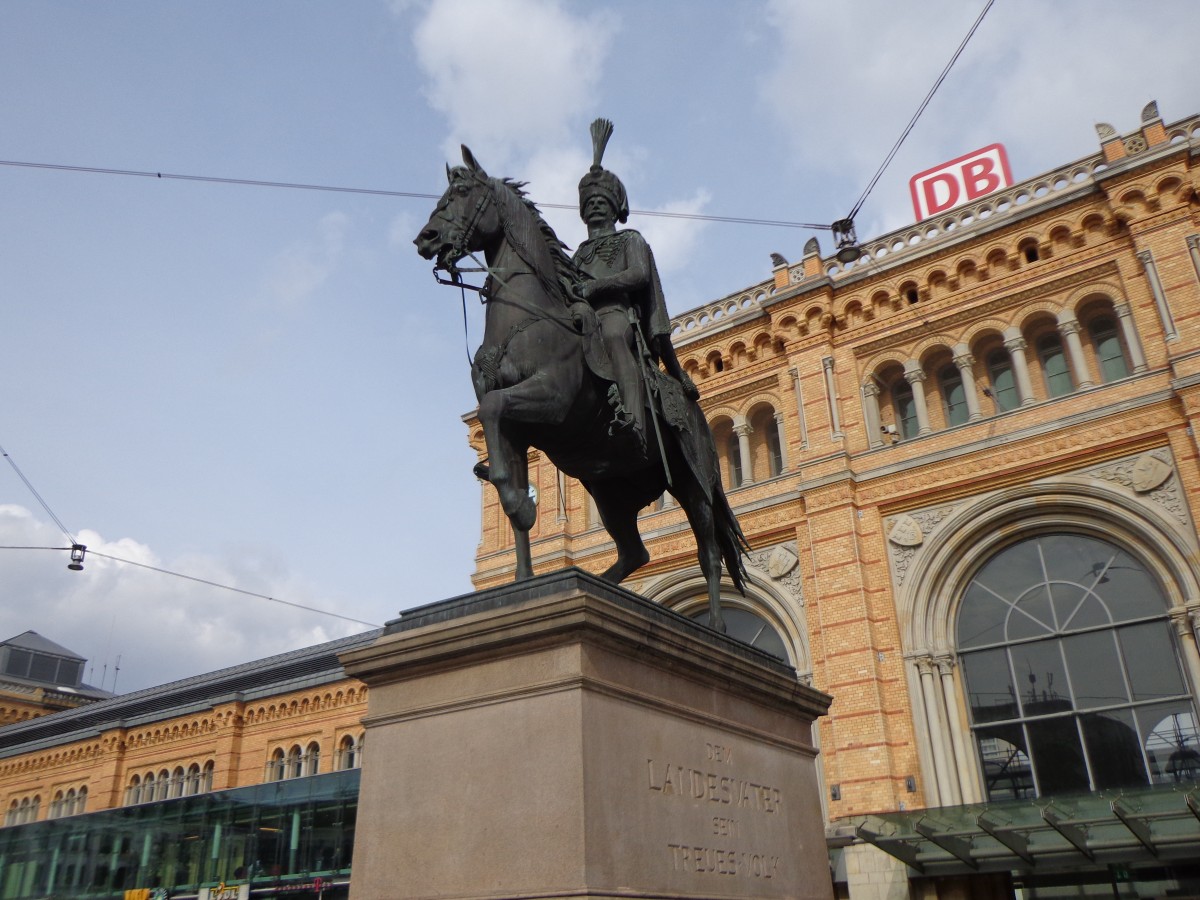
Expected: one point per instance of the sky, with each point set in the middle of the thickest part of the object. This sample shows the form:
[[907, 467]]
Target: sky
[[264, 387]]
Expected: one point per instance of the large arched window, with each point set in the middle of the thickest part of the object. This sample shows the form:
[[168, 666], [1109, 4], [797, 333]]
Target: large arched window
[[1072, 675], [749, 628]]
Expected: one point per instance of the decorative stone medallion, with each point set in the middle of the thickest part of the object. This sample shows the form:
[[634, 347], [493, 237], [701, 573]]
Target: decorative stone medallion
[[905, 532], [780, 562], [1149, 472]]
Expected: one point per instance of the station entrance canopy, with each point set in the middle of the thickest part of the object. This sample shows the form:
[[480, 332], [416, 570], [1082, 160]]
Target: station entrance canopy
[[1105, 828]]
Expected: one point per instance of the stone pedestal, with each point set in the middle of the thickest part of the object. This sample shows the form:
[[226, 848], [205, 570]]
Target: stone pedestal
[[564, 738]]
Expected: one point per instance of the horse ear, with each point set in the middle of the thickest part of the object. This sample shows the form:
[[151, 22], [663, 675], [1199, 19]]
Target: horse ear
[[472, 163], [449, 174]]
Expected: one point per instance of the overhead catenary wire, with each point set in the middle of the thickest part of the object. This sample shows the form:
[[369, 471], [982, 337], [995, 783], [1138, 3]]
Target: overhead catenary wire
[[76, 546], [920, 109], [57, 521], [198, 580], [302, 186]]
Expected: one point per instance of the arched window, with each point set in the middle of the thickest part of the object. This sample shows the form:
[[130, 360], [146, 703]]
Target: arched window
[[162, 785], [1072, 674], [1004, 384], [192, 785], [766, 448], [206, 777], [133, 793], [80, 801], [906, 409], [295, 762], [56, 806], [147, 793], [347, 754], [774, 448], [954, 396], [1106, 342], [748, 627], [277, 767], [177, 779], [733, 450], [1055, 372], [312, 761]]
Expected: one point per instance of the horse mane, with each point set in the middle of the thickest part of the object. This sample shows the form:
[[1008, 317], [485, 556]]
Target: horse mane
[[529, 232]]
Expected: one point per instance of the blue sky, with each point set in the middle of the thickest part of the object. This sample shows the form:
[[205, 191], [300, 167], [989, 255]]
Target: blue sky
[[263, 387]]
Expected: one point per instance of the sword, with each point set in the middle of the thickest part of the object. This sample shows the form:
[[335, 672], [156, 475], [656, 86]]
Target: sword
[[643, 356]]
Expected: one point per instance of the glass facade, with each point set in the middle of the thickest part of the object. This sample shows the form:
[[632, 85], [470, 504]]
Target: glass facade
[[283, 835], [1073, 677]]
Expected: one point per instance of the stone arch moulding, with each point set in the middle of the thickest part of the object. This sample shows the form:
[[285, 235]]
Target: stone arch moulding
[[776, 600], [927, 599], [1110, 290]]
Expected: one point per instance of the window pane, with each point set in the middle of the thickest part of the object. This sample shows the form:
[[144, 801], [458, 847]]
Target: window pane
[[906, 412], [1170, 738], [981, 618], [1032, 616], [1006, 771], [1151, 660], [774, 449], [1108, 349], [1054, 366], [18, 662], [1074, 558], [954, 396], [1114, 750], [1129, 591], [1095, 669], [43, 668], [1004, 385], [1041, 678], [69, 671], [1058, 755], [990, 688]]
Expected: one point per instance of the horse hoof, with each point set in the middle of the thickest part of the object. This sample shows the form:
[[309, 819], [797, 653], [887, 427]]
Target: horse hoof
[[525, 516]]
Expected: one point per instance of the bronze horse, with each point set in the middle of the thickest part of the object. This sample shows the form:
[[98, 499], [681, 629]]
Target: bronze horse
[[536, 389]]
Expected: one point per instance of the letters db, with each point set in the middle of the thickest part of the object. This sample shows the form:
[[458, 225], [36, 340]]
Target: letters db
[[960, 181]]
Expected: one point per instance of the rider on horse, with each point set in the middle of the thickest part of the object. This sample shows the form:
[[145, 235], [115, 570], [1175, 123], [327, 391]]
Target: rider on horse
[[625, 292]]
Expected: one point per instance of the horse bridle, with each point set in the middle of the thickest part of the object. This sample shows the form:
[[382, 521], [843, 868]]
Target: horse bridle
[[460, 243]]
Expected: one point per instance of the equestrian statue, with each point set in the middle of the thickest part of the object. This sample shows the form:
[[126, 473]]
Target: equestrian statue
[[577, 361]]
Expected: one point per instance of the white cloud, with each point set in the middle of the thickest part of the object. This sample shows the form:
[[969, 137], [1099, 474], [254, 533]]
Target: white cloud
[[847, 78], [674, 241], [299, 270], [510, 75], [161, 627]]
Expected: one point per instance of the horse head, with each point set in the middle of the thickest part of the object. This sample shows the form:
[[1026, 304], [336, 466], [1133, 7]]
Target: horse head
[[464, 218]]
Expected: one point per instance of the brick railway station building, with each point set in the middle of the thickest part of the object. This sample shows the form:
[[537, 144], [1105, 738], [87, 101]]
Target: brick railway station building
[[967, 467]]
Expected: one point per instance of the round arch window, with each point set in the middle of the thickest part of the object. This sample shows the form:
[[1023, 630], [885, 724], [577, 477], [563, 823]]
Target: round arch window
[[1071, 669], [749, 628]]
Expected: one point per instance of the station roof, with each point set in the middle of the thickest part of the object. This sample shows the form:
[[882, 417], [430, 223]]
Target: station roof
[[287, 671], [1146, 824]]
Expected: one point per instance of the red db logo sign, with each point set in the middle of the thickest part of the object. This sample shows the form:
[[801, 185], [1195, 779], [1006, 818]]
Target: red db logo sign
[[960, 181]]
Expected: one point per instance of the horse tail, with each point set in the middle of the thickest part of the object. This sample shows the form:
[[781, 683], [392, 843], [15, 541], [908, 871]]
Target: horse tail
[[730, 539]]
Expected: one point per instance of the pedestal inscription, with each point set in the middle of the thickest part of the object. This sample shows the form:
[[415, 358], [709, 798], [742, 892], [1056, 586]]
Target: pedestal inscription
[[584, 742]]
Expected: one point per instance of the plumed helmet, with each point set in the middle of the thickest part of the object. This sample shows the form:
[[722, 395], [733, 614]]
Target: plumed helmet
[[599, 180]]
